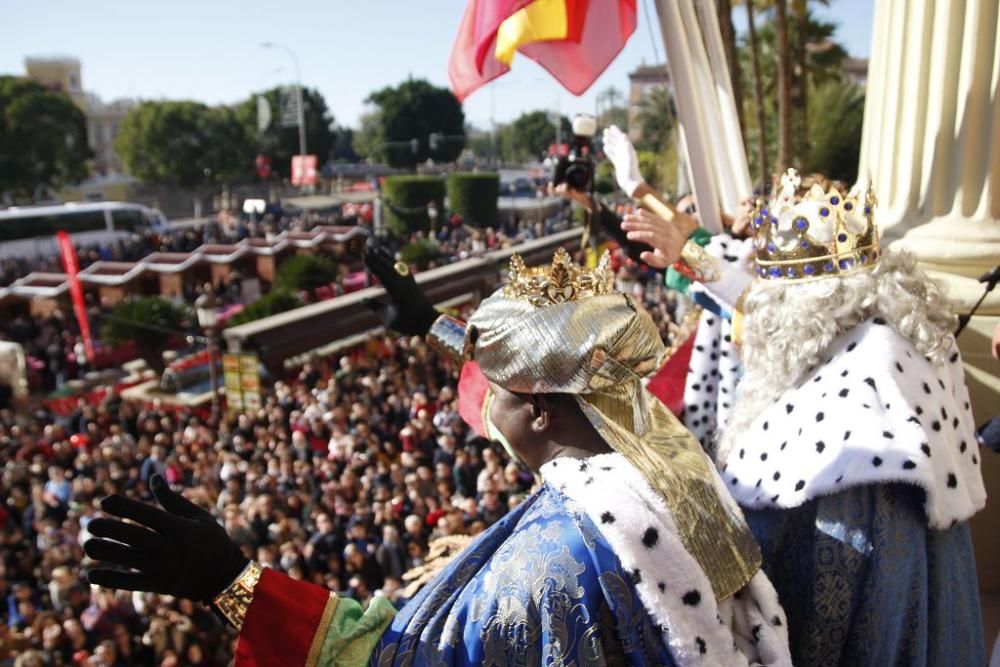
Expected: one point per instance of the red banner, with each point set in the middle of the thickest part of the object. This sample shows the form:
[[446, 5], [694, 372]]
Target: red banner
[[304, 170], [72, 268]]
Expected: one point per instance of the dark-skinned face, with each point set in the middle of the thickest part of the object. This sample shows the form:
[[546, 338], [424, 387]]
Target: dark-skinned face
[[522, 422]]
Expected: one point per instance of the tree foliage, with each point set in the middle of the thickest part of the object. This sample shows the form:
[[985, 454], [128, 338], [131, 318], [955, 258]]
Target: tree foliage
[[412, 110], [272, 303], [150, 322], [43, 139], [474, 197], [836, 115], [406, 199], [823, 58], [281, 143], [656, 119], [306, 272], [184, 143], [530, 135], [420, 253]]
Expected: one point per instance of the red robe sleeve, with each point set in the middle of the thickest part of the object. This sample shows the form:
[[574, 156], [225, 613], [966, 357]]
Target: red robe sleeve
[[286, 622]]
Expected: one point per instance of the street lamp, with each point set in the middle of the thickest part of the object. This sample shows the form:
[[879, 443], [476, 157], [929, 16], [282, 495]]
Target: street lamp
[[298, 93], [206, 307]]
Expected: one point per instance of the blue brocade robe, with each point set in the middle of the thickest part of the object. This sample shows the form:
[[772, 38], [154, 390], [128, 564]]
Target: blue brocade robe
[[864, 581], [539, 587]]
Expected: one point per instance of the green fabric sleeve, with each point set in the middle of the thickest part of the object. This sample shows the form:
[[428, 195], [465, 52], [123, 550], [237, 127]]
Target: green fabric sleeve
[[677, 281], [354, 632]]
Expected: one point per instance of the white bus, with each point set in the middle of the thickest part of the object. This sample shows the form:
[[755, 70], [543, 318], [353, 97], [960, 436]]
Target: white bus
[[29, 231]]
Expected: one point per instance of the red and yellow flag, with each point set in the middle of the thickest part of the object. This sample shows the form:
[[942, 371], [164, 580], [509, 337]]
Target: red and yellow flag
[[575, 40]]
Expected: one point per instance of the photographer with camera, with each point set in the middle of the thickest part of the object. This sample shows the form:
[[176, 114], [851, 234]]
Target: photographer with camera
[[645, 235]]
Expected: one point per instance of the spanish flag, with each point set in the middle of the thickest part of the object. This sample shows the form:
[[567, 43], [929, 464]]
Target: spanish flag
[[575, 40]]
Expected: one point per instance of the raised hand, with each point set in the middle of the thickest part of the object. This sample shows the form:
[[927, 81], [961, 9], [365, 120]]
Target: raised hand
[[622, 154], [408, 310], [179, 550], [664, 237]]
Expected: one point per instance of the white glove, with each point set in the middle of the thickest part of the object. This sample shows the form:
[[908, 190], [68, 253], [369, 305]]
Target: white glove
[[622, 155]]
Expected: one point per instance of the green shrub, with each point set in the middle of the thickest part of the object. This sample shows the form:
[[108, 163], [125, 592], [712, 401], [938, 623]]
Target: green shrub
[[604, 179], [149, 321], [474, 197], [420, 253], [406, 199], [306, 272], [277, 301]]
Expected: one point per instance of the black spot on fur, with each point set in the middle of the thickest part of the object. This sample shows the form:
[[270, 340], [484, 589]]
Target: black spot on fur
[[607, 517], [650, 538], [692, 598], [799, 485]]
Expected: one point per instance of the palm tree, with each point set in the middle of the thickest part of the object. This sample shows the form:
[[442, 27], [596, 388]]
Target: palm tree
[[758, 94], [785, 137]]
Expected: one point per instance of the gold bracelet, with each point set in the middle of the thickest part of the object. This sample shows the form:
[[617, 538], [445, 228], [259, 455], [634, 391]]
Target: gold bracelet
[[234, 602], [705, 267], [448, 336]]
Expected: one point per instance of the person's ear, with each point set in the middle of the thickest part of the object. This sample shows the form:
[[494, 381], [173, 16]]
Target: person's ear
[[541, 414]]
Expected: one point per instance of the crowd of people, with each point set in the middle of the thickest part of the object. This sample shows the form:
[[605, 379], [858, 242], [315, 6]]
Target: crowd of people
[[344, 478]]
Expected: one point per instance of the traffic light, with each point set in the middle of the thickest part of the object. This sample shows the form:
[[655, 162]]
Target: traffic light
[[435, 140], [414, 145]]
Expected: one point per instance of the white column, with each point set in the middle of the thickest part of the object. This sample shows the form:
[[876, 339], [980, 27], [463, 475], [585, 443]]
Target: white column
[[705, 107], [931, 139]]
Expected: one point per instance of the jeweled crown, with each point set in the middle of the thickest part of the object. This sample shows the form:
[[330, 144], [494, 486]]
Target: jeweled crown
[[821, 234], [561, 281]]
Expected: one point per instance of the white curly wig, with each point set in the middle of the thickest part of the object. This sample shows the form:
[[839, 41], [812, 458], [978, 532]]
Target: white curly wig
[[788, 326]]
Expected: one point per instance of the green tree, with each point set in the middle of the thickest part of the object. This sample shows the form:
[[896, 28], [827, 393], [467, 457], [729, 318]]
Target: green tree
[[281, 143], [43, 139], [656, 121], [306, 272], [414, 109], [836, 115], [184, 143], [150, 322], [823, 60], [343, 145], [531, 134]]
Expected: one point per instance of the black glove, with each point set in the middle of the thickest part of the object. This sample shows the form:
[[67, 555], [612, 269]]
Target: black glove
[[409, 311], [184, 552]]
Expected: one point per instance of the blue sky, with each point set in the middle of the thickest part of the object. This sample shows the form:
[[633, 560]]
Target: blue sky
[[209, 50]]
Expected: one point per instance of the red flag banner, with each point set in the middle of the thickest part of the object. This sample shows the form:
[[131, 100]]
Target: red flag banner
[[72, 267], [575, 40]]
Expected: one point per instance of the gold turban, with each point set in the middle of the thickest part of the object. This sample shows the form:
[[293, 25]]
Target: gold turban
[[563, 329]]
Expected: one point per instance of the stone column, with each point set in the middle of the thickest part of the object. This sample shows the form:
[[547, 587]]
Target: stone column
[[931, 139]]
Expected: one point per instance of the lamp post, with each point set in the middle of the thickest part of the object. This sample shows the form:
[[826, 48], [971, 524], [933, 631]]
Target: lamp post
[[298, 93], [206, 307]]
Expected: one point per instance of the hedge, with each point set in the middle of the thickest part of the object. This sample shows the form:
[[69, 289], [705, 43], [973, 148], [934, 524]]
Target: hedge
[[474, 197], [272, 303], [420, 253], [306, 272], [406, 199]]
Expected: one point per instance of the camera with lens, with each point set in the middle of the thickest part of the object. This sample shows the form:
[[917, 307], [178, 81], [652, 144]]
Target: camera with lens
[[576, 169]]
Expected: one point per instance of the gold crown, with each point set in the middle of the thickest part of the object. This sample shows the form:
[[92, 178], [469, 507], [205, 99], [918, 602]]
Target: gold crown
[[562, 281], [822, 234]]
